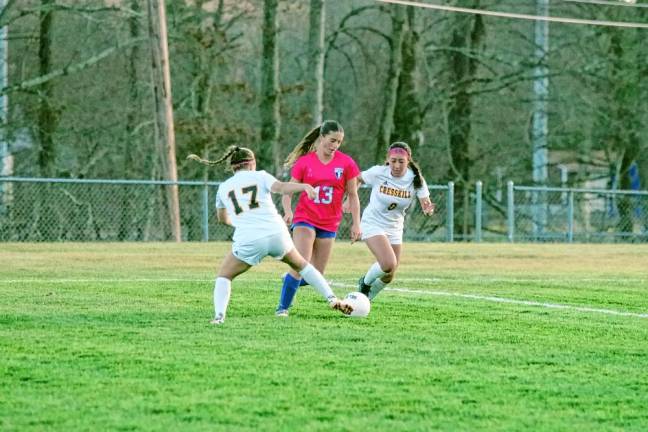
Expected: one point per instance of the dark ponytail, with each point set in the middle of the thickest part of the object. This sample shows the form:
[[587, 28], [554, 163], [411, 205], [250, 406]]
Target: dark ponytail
[[237, 157], [306, 144]]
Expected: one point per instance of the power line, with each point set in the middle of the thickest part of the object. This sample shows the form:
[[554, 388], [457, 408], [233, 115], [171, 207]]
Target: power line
[[518, 16]]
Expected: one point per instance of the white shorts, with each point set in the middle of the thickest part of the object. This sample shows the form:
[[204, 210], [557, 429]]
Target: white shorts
[[395, 236], [275, 245]]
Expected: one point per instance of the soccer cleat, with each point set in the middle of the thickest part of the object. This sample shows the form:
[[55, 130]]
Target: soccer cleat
[[281, 313], [220, 319], [341, 306], [363, 287]]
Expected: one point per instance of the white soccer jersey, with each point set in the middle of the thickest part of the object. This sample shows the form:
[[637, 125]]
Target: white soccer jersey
[[248, 200], [390, 197]]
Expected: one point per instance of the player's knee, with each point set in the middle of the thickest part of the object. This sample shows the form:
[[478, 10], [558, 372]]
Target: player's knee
[[388, 266]]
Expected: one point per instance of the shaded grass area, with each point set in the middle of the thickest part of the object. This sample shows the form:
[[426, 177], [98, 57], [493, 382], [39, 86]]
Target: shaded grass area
[[115, 337]]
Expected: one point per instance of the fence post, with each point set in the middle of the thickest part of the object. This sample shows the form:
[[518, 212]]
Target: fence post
[[478, 211], [450, 213], [205, 213], [570, 217], [510, 211]]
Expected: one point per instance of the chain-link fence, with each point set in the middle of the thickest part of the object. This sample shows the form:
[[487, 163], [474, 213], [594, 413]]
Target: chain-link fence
[[127, 210], [583, 215]]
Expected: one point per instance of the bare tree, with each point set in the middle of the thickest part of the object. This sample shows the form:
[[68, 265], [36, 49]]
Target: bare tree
[[386, 126], [269, 155], [47, 117], [315, 76], [467, 35], [408, 115]]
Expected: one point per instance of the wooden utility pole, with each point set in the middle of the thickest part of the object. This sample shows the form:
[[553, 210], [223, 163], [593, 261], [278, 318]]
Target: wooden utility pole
[[164, 130]]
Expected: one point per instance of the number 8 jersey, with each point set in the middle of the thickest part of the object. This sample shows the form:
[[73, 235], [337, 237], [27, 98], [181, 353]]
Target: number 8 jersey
[[248, 200], [329, 181], [390, 197]]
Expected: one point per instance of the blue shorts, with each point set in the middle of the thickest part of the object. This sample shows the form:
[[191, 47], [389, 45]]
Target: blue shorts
[[319, 233]]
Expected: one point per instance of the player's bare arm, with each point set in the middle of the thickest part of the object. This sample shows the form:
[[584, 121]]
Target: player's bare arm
[[345, 204], [354, 208], [286, 204], [288, 188]]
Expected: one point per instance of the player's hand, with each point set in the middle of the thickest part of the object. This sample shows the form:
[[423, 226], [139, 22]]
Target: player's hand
[[288, 217], [310, 191], [427, 206], [356, 233]]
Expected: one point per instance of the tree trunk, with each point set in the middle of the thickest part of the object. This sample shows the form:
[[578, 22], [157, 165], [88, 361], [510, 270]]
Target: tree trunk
[[127, 216], [269, 157], [315, 75], [624, 127], [467, 34], [408, 116], [46, 111], [391, 85]]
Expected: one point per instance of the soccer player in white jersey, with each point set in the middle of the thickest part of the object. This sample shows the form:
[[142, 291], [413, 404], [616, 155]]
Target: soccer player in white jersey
[[244, 201], [393, 188]]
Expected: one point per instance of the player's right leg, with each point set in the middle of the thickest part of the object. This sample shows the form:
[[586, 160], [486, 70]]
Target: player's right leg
[[230, 268], [303, 238]]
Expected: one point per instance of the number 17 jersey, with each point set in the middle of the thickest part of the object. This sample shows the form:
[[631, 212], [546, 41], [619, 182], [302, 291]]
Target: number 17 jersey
[[248, 200]]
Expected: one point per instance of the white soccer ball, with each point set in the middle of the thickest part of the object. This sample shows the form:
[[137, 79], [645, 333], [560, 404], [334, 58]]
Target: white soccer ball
[[360, 303]]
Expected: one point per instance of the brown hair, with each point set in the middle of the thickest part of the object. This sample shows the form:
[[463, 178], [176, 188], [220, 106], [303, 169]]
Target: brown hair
[[237, 156], [418, 177], [306, 143]]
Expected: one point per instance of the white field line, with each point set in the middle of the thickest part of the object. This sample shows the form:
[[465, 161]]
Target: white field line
[[478, 297], [510, 301], [544, 280], [103, 280]]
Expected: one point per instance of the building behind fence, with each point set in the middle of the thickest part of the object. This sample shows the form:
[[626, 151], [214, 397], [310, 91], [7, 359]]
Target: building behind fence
[[34, 209]]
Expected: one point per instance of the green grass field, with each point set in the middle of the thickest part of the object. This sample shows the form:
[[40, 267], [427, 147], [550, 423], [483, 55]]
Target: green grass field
[[471, 337]]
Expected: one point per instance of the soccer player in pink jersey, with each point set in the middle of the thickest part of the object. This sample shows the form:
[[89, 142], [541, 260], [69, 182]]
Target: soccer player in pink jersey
[[317, 161]]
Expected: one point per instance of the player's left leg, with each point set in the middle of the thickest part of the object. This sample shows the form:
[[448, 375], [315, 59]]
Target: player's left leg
[[322, 249], [380, 283], [230, 268], [314, 278]]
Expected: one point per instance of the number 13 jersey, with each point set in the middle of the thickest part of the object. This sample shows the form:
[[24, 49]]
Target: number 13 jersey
[[248, 200], [390, 197], [329, 181]]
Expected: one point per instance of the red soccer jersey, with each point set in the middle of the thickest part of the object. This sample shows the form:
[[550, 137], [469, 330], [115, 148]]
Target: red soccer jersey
[[329, 180]]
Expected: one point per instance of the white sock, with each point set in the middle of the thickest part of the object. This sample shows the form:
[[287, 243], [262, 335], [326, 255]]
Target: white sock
[[376, 287], [374, 272], [315, 279], [222, 290]]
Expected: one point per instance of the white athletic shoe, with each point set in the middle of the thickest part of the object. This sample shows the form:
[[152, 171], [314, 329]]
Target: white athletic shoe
[[220, 319], [281, 313]]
